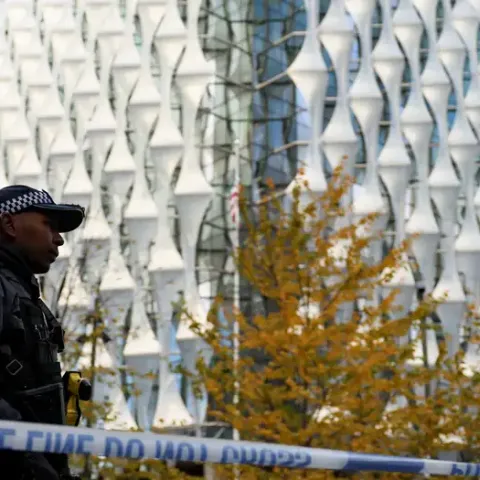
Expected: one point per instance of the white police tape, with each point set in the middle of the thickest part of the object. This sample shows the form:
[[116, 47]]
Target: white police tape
[[61, 439]]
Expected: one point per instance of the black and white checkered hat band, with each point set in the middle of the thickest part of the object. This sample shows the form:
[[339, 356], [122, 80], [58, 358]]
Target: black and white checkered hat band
[[25, 201]]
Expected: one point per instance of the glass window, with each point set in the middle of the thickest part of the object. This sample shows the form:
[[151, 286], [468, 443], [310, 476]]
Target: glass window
[[451, 114]]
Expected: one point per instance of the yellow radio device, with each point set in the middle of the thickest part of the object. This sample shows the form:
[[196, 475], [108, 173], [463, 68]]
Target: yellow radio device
[[75, 388]]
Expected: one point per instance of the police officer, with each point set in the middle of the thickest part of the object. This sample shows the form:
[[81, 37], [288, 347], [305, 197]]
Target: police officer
[[30, 336]]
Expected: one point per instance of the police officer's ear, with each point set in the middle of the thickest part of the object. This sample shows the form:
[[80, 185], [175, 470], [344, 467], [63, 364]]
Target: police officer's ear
[[7, 226]]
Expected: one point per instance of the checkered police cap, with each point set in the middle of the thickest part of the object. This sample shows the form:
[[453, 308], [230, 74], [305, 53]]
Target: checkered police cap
[[27, 200], [16, 199]]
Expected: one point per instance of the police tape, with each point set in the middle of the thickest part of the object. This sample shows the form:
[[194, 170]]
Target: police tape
[[23, 436]]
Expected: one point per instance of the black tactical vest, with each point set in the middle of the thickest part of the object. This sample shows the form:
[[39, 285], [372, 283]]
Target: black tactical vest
[[30, 339]]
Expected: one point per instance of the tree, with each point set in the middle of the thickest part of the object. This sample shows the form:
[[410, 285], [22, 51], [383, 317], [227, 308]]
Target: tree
[[328, 362]]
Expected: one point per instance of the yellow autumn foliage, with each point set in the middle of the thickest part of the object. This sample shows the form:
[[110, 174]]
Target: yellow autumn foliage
[[326, 360]]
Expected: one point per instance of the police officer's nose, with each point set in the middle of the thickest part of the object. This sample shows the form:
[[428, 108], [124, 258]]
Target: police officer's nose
[[58, 239]]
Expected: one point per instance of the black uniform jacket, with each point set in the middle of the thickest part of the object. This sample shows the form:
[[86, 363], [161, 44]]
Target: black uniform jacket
[[30, 338]]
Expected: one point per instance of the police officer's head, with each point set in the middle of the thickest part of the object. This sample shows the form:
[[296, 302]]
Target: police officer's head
[[32, 222]]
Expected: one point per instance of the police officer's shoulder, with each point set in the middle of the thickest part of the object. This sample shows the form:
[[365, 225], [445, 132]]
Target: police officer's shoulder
[[8, 291], [5, 284], [6, 300], [12, 284]]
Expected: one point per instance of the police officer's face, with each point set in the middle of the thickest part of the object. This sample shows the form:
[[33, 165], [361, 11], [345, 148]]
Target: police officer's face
[[36, 235]]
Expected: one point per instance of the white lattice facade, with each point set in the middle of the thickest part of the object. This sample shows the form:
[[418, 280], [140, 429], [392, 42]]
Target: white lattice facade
[[84, 115], [393, 87], [122, 108]]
